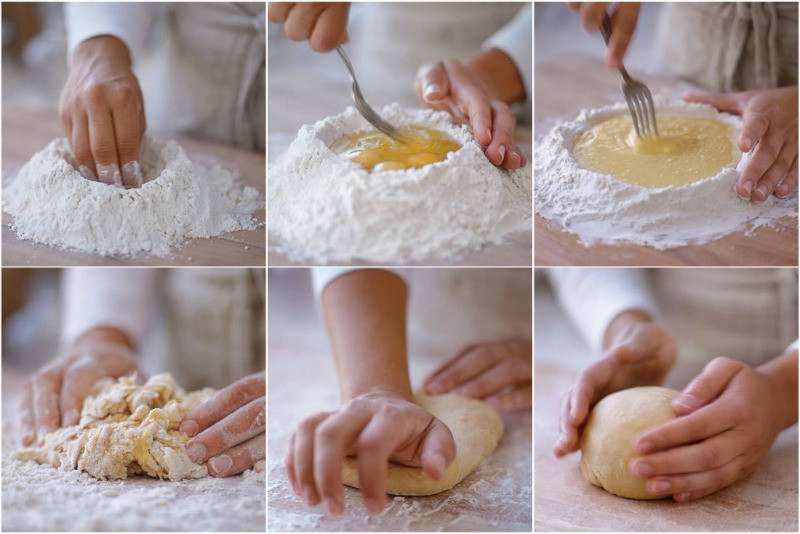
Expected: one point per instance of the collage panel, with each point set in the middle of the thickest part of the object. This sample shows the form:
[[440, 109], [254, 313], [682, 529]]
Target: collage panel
[[349, 349], [133, 400], [666, 399], [432, 166], [135, 133], [676, 146]]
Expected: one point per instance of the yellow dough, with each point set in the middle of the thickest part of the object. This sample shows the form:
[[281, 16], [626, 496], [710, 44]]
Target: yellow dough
[[476, 429], [613, 425], [376, 151], [126, 429], [685, 151]]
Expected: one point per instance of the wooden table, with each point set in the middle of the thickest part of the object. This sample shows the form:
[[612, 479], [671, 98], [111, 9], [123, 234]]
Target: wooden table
[[565, 501], [27, 131], [571, 83]]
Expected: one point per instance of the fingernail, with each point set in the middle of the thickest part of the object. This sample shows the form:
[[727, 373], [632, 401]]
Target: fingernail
[[502, 151], [332, 507], [197, 453], [438, 463], [748, 188], [109, 174], [189, 428], [643, 469], [43, 431], [489, 135], [71, 417], [132, 174], [782, 190], [661, 486], [310, 495], [687, 401], [432, 88], [762, 190], [748, 143], [221, 464], [87, 173], [27, 438], [644, 447], [682, 496]]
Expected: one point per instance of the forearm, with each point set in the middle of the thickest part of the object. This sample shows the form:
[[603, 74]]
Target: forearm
[[365, 315], [500, 75], [782, 371]]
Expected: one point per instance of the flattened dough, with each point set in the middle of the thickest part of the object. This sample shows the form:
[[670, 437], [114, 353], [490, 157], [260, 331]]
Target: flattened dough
[[613, 425], [476, 429], [126, 429]]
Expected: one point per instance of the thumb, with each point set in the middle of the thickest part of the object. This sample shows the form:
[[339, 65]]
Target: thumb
[[707, 386], [730, 102], [438, 450], [434, 84]]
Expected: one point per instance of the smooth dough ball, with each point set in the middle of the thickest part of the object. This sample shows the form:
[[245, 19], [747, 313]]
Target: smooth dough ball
[[612, 427], [476, 429]]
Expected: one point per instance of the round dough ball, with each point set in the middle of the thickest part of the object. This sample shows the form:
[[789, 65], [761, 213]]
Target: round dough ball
[[613, 425]]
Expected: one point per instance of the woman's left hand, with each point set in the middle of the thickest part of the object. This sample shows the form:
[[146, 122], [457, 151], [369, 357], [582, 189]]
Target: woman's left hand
[[497, 372], [731, 414], [769, 123], [478, 92], [228, 431]]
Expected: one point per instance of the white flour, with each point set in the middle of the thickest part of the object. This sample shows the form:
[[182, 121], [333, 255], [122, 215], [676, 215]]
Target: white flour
[[597, 207], [325, 208], [181, 199]]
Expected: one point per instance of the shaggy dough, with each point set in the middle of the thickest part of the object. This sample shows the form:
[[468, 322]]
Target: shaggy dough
[[476, 429], [126, 429], [612, 427]]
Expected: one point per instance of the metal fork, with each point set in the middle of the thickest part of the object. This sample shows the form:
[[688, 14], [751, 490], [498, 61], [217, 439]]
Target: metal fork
[[637, 95], [363, 107]]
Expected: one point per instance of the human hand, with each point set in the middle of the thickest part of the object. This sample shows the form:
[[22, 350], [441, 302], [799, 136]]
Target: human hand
[[497, 372], [228, 431], [102, 112], [322, 24], [53, 396], [769, 123], [638, 353], [734, 414], [479, 93], [377, 427], [623, 23]]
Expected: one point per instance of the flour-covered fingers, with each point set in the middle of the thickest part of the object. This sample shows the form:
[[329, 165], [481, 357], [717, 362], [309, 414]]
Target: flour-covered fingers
[[27, 416], [304, 457], [238, 458], [503, 122], [506, 372], [707, 386], [46, 387], [515, 157], [518, 398], [789, 184], [78, 380], [474, 101], [223, 403], [79, 141], [701, 424], [708, 454], [125, 114], [775, 173], [374, 446], [102, 141], [248, 421], [438, 449], [717, 478]]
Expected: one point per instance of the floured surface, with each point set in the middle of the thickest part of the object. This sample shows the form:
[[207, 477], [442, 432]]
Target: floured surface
[[327, 209], [39, 497], [496, 497], [597, 207], [564, 501]]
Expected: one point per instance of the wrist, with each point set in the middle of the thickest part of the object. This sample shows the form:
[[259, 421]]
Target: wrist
[[781, 373], [382, 390], [499, 76], [622, 324], [104, 334], [101, 48]]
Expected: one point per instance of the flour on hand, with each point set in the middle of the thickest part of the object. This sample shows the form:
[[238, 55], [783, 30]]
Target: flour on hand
[[597, 207], [126, 429], [325, 208], [52, 203]]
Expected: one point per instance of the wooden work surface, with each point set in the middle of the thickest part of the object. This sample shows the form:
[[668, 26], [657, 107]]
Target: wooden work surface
[[565, 501], [27, 131], [570, 83]]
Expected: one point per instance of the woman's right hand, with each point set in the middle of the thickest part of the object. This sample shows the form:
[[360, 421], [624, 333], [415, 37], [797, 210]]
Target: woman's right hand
[[102, 112], [639, 352], [322, 24], [377, 428], [623, 23], [53, 396]]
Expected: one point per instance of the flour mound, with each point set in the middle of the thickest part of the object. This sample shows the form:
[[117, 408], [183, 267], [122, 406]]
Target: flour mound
[[597, 207], [326, 208], [181, 199]]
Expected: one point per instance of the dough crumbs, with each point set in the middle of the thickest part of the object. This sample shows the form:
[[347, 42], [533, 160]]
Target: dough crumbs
[[126, 429]]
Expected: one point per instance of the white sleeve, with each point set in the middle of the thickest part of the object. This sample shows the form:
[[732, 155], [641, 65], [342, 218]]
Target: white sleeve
[[792, 347], [593, 297], [322, 276], [123, 298], [128, 21], [515, 39]]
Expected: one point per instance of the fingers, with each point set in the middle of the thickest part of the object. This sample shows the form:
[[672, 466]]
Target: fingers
[[278, 11], [432, 386], [707, 386], [127, 132], [585, 388], [466, 367], [789, 183], [433, 83], [299, 21], [704, 456], [303, 457], [623, 23], [706, 422], [77, 384], [223, 403], [503, 122], [289, 465], [329, 30], [474, 101], [516, 399], [79, 141], [567, 441], [241, 425], [238, 458], [713, 479], [323, 25], [775, 174], [27, 417], [374, 446], [102, 143], [46, 386], [730, 102], [438, 449], [755, 123], [592, 15], [507, 372]]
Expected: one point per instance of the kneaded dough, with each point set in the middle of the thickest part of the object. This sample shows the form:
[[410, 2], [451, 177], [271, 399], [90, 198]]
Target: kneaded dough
[[126, 429], [476, 429], [613, 425]]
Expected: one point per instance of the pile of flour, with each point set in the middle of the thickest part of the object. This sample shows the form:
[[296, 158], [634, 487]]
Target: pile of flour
[[324, 208], [597, 207], [181, 199]]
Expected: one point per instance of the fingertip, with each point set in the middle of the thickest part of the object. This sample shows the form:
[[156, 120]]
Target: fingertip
[[643, 446], [436, 465], [685, 402], [189, 427], [433, 92], [744, 189]]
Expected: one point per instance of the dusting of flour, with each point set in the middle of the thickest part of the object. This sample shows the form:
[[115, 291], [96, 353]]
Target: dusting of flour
[[326, 208], [597, 207], [180, 200]]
